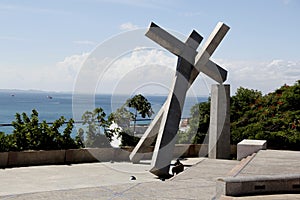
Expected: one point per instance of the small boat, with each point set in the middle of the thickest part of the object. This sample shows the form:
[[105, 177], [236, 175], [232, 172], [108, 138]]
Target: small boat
[[49, 97]]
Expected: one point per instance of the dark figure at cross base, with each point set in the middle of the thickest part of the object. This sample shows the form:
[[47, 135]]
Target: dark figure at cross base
[[177, 168]]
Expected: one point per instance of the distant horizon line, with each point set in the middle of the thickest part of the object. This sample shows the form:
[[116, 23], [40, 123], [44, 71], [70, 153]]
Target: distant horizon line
[[71, 92]]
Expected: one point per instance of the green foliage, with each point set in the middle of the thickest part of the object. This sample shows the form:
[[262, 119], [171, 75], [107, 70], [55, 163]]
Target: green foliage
[[122, 116], [274, 117], [98, 133], [141, 105], [30, 134], [243, 101], [4, 142], [128, 139]]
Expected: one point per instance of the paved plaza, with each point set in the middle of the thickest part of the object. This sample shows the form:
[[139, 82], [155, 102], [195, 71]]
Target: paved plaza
[[108, 180]]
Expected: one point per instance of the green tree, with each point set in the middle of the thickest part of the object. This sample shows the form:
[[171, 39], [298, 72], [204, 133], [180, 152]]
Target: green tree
[[98, 133], [141, 106], [243, 101], [274, 117], [122, 116]]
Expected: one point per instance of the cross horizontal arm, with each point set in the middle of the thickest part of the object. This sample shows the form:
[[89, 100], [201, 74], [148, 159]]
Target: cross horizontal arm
[[208, 49], [177, 47], [171, 43]]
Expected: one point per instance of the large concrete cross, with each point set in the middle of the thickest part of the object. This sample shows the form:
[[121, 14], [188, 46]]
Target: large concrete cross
[[189, 64]]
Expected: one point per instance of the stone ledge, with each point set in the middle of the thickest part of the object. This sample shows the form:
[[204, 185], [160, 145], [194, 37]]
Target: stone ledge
[[87, 155], [247, 147], [256, 185]]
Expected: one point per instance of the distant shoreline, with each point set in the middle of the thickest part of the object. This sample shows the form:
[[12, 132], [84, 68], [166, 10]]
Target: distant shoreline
[[33, 91]]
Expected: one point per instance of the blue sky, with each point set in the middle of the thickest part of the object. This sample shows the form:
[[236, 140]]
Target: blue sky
[[44, 43]]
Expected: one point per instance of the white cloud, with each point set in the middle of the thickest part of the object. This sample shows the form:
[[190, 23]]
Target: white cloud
[[145, 68], [71, 64], [140, 68], [265, 76], [59, 77], [152, 68], [128, 26]]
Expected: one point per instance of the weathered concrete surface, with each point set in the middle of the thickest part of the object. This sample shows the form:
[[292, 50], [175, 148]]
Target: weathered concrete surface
[[111, 181], [219, 125], [279, 168], [64, 177], [273, 162]]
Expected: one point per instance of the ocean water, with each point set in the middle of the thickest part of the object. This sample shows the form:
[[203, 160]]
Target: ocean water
[[51, 106]]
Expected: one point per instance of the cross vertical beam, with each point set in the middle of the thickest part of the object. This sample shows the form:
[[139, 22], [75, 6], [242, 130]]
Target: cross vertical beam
[[150, 134], [164, 147], [187, 70], [177, 47]]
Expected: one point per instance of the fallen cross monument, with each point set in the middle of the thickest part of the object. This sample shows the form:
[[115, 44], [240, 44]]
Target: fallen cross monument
[[189, 64]]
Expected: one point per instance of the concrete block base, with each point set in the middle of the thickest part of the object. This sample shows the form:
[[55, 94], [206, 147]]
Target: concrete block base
[[247, 147], [257, 185]]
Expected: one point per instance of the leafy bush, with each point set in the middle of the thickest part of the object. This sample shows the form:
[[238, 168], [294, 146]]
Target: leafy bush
[[274, 117], [30, 134]]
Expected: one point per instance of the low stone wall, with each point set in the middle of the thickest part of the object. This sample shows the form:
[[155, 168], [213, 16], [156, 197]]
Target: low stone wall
[[3, 159], [79, 156], [27, 158], [87, 155], [257, 185]]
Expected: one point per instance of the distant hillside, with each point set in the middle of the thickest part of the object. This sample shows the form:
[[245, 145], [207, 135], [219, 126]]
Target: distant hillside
[[22, 91]]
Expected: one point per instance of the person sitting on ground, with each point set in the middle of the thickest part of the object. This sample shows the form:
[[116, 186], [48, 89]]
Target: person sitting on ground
[[177, 168]]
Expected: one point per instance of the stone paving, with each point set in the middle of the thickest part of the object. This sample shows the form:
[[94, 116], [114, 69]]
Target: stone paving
[[112, 180], [273, 162]]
